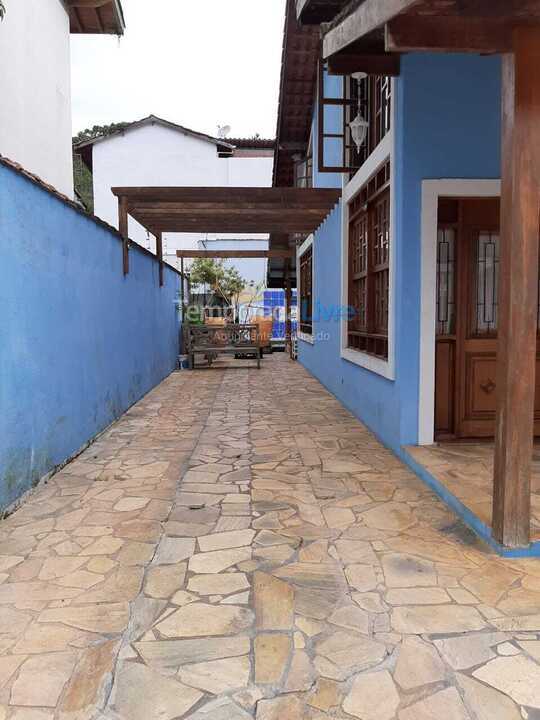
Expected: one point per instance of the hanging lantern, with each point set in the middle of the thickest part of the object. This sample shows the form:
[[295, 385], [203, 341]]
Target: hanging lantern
[[359, 126]]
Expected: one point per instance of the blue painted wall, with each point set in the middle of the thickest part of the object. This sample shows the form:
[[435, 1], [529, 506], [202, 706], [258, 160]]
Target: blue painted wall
[[447, 125], [79, 343]]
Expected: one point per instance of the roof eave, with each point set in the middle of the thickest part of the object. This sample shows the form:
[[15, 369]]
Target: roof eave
[[119, 13], [96, 17], [153, 119]]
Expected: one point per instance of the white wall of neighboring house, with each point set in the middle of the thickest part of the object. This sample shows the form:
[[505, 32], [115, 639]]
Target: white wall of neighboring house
[[35, 90], [153, 154]]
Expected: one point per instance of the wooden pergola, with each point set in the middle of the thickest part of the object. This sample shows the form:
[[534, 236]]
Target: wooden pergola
[[367, 35], [283, 212], [227, 210]]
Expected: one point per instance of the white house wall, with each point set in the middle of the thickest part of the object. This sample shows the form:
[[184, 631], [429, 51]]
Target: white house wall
[[250, 172], [160, 156], [35, 90]]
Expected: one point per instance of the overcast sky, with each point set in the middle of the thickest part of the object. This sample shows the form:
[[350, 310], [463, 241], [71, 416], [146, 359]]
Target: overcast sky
[[199, 63]]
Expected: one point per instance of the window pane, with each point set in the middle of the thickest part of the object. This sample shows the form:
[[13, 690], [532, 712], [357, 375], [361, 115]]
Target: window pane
[[333, 86], [333, 120], [446, 265], [369, 270], [333, 152], [306, 291], [487, 276]]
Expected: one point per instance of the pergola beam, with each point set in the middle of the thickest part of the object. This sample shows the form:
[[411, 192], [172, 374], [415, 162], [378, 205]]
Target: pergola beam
[[230, 195], [228, 254]]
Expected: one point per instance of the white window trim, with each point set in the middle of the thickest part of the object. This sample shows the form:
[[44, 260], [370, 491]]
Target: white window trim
[[383, 152], [431, 191], [300, 250]]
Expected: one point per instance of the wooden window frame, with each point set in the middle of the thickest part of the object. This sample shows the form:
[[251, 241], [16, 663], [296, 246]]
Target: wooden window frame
[[303, 167], [303, 172], [369, 244], [374, 95], [305, 268]]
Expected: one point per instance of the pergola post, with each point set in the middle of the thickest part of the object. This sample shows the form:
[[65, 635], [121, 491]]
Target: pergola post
[[159, 253], [182, 288], [288, 302], [518, 289], [123, 230]]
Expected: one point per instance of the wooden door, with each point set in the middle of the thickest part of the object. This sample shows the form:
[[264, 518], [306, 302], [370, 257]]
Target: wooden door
[[467, 317]]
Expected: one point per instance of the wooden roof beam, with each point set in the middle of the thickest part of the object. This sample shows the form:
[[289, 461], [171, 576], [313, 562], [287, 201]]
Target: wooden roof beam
[[225, 254], [448, 34], [87, 3], [347, 64], [313, 12], [367, 17], [255, 228], [99, 20], [233, 196], [308, 207], [77, 20]]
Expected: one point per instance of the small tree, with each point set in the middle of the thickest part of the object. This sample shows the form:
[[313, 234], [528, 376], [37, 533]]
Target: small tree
[[205, 271], [232, 284], [2, 10], [224, 281], [98, 130]]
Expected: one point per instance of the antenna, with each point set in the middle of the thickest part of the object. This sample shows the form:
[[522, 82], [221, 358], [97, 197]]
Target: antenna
[[223, 131]]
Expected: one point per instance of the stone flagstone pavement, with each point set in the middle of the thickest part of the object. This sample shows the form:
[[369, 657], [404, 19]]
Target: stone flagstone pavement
[[239, 546]]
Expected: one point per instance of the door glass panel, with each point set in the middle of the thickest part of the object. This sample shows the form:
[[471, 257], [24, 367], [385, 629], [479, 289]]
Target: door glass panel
[[487, 277], [446, 265]]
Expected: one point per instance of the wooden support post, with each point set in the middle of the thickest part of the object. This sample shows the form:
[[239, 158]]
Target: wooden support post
[[288, 299], [183, 288], [159, 254], [123, 229], [518, 289]]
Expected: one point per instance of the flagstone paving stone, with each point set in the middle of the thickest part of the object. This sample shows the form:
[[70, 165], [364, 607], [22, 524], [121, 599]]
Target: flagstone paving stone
[[238, 546], [418, 664], [373, 696]]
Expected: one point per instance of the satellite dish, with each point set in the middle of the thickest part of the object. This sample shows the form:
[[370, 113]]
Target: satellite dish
[[223, 131]]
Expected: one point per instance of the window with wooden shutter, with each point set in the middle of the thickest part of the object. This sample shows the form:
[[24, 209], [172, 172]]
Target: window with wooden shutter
[[341, 99], [306, 291], [369, 266]]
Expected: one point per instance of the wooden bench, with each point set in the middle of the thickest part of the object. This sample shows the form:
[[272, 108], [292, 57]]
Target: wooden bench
[[214, 340]]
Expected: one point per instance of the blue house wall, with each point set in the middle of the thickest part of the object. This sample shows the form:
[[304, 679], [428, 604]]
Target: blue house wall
[[79, 342], [446, 117]]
